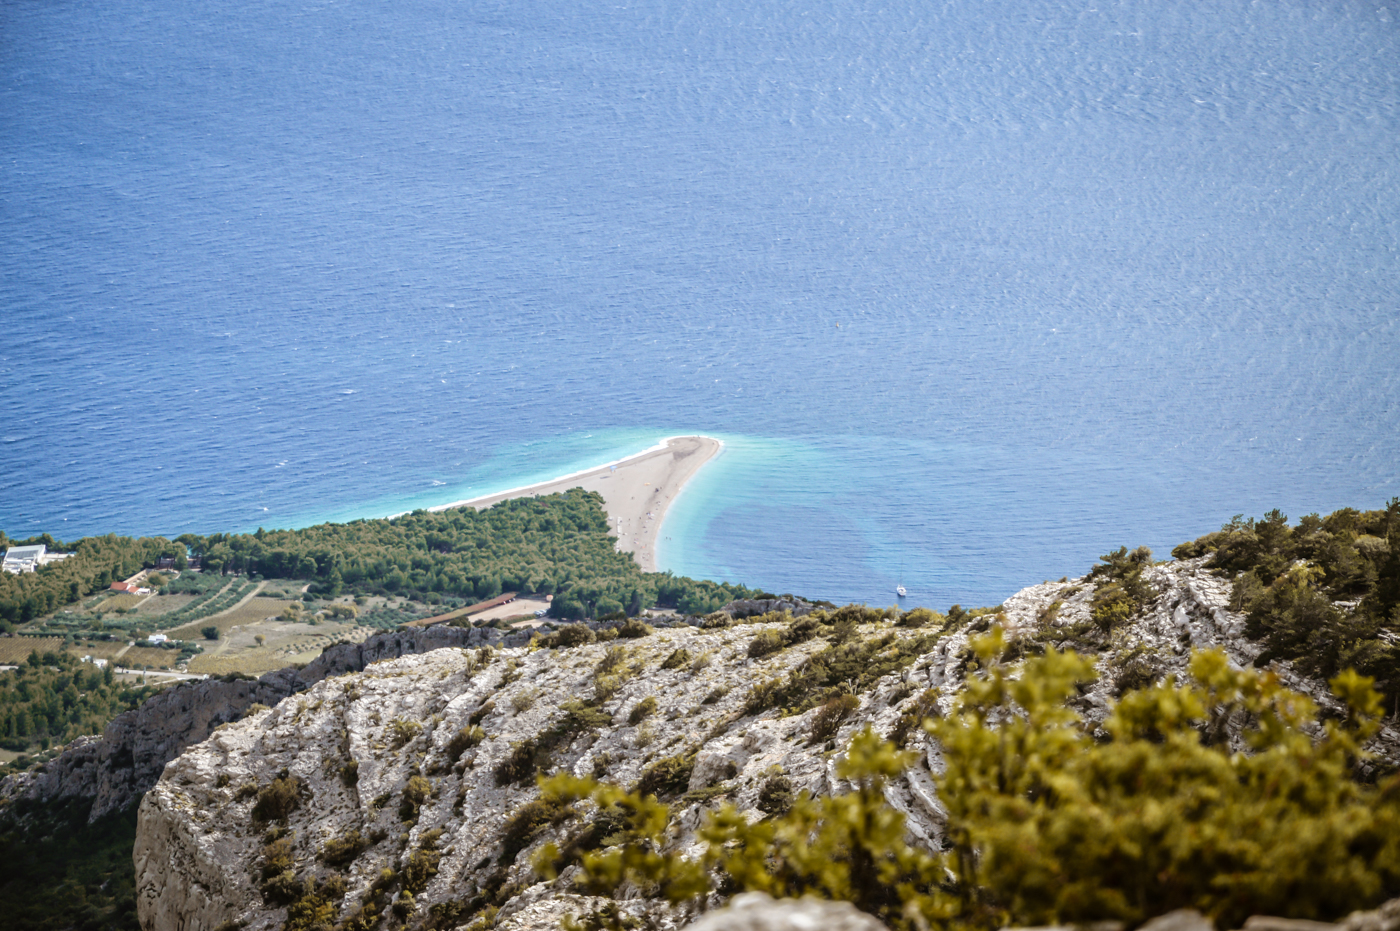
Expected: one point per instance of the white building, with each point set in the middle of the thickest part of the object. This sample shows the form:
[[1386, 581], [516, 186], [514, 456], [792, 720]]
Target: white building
[[23, 558], [157, 638], [28, 558]]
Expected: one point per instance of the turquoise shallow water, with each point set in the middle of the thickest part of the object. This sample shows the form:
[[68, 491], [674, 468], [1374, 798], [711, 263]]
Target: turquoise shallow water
[[973, 293]]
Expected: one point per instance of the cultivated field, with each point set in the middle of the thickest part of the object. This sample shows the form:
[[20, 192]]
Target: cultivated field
[[164, 604], [153, 657], [251, 611], [284, 643], [100, 649], [15, 650]]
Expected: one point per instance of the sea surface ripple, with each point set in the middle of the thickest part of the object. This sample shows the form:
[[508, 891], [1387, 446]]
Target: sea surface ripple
[[973, 292]]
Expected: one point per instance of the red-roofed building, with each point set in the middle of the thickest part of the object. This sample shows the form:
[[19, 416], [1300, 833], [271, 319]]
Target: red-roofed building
[[126, 587]]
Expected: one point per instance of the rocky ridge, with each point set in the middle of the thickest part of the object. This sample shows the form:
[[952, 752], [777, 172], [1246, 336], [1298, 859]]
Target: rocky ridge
[[117, 768], [362, 746]]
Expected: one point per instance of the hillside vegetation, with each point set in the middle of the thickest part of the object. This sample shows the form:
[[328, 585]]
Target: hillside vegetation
[[557, 545], [1099, 747], [1324, 594], [1047, 825], [54, 698]]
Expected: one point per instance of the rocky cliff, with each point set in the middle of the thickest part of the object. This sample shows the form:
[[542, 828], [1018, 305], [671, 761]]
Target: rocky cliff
[[417, 763], [116, 769]]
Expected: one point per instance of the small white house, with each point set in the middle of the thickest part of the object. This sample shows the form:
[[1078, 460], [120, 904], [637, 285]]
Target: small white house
[[157, 638]]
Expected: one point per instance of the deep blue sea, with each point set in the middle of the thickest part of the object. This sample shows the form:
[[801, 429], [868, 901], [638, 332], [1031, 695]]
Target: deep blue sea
[[973, 291]]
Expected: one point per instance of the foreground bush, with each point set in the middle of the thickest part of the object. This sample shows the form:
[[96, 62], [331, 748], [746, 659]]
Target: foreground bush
[[1048, 826]]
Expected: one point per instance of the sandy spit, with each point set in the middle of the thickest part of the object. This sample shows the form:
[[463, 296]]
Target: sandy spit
[[636, 490]]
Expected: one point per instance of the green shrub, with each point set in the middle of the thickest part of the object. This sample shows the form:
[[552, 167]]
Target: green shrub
[[1137, 668], [643, 708], [578, 717], [775, 796], [209, 633], [678, 658], [480, 714], [716, 621], [612, 660], [854, 664], [1283, 831], [919, 617], [667, 777], [315, 908], [801, 630], [281, 888], [767, 641], [278, 799], [402, 730], [913, 717], [762, 695], [350, 773], [528, 822], [570, 635], [1047, 615], [860, 614], [276, 856], [605, 688], [519, 765], [634, 628], [415, 793], [1049, 826], [342, 851], [1121, 591], [462, 741], [714, 695], [829, 716], [422, 865]]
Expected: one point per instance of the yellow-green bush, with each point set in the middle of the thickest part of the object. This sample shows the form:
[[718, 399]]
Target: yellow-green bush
[[415, 793], [1047, 826], [1056, 827], [678, 658], [767, 641], [464, 740], [278, 799], [641, 710], [344, 850], [830, 715]]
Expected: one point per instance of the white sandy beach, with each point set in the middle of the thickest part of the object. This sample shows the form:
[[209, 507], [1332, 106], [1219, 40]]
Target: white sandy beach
[[636, 490]]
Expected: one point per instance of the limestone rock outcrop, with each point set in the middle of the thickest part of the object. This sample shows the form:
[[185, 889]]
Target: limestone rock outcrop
[[385, 763], [756, 911], [116, 769]]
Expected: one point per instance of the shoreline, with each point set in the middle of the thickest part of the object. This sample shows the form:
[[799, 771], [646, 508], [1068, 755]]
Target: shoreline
[[637, 490]]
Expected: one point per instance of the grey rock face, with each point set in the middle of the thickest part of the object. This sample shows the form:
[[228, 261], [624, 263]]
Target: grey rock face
[[752, 607], [756, 911], [1385, 918], [1183, 919], [198, 851], [117, 768]]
